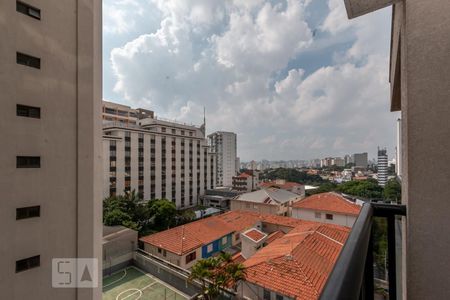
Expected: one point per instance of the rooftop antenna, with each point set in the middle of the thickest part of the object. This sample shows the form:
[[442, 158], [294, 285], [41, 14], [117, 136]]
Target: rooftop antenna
[[203, 127]]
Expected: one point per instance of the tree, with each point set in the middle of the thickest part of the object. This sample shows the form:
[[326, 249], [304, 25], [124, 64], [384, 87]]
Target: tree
[[362, 188], [292, 175], [392, 191], [163, 213], [217, 273], [323, 188]]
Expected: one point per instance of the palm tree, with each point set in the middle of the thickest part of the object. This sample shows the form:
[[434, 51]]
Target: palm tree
[[216, 274]]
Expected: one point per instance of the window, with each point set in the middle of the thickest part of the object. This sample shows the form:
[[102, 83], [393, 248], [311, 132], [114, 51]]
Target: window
[[28, 162], [159, 250], [209, 248], [190, 257], [28, 10], [28, 263], [164, 253], [329, 216], [279, 297], [28, 111], [266, 295], [28, 60], [28, 212], [237, 236], [224, 240], [317, 215], [163, 129]]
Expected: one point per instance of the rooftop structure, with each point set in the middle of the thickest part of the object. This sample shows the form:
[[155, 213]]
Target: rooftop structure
[[297, 264], [293, 187]]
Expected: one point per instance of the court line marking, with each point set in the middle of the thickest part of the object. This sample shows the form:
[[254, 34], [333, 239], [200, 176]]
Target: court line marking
[[157, 280], [117, 280], [136, 291]]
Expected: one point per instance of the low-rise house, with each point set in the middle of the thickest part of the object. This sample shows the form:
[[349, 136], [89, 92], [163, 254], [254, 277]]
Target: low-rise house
[[246, 181], [295, 265], [273, 201], [293, 187], [327, 208], [184, 245]]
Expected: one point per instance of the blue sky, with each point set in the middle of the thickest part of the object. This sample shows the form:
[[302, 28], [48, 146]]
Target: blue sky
[[295, 79]]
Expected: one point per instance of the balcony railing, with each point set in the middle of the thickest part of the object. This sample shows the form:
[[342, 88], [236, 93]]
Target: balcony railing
[[353, 274]]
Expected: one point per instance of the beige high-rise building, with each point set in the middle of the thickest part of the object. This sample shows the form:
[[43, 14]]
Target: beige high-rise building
[[50, 124], [224, 144], [157, 159]]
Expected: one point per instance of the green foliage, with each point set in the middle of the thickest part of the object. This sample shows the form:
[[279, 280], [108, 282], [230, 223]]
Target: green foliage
[[216, 273], [323, 188], [362, 188], [163, 212], [392, 191], [292, 175], [144, 216]]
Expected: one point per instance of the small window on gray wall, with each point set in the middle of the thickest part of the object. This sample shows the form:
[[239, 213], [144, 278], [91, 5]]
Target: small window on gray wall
[[28, 10], [28, 212], [28, 60], [28, 111], [28, 263], [28, 162]]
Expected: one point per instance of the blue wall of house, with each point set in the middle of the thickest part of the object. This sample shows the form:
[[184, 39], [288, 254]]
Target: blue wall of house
[[217, 246]]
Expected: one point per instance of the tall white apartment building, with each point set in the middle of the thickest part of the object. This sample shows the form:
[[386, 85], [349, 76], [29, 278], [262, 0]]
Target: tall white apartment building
[[50, 174], [158, 159], [382, 167], [224, 144]]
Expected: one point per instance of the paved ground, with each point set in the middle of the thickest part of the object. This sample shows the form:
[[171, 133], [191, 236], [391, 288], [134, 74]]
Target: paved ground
[[133, 284]]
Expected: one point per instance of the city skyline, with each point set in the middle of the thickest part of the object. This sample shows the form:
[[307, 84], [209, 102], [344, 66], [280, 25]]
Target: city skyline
[[299, 95]]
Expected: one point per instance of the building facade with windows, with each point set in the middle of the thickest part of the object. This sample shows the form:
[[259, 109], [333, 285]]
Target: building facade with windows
[[329, 207], [158, 159], [382, 167], [224, 144], [51, 130]]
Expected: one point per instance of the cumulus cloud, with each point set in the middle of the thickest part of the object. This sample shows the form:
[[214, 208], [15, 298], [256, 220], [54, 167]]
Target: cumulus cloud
[[235, 58], [119, 15]]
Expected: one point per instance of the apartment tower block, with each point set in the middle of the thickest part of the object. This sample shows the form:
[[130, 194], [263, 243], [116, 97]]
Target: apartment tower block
[[50, 175]]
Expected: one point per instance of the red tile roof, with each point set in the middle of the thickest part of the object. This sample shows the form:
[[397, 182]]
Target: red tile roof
[[298, 264], [183, 239], [244, 175], [286, 185], [330, 202], [273, 236], [238, 258], [254, 234]]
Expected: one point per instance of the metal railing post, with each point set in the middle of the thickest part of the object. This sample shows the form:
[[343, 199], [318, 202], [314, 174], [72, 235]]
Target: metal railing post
[[392, 270]]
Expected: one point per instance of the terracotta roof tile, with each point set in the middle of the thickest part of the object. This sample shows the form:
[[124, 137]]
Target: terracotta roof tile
[[286, 185], [255, 234], [331, 202], [185, 238], [299, 263]]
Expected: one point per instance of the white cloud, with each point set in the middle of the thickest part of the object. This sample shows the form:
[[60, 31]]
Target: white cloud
[[229, 55], [119, 15]]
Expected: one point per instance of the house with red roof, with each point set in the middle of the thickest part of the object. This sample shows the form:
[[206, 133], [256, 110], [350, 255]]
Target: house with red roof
[[292, 187], [185, 244], [294, 266], [327, 208], [246, 182]]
